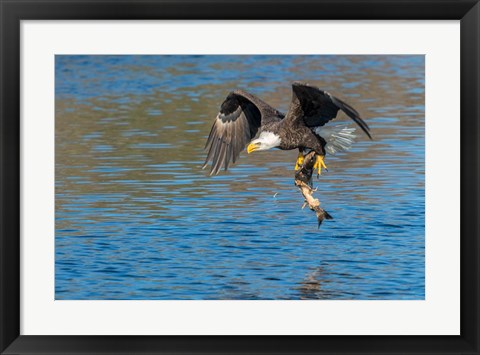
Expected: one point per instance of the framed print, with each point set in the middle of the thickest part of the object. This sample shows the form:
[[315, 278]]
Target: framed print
[[208, 177]]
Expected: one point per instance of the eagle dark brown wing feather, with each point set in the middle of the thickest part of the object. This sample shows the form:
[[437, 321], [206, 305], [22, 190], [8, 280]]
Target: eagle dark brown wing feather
[[317, 107], [237, 123]]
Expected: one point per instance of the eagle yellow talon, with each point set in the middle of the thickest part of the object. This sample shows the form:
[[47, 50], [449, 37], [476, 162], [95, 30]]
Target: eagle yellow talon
[[299, 162], [319, 164]]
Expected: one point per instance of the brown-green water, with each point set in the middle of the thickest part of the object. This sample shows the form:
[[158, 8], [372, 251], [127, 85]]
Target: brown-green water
[[137, 218]]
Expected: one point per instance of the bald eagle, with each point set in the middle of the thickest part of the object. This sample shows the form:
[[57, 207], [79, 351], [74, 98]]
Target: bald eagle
[[243, 115]]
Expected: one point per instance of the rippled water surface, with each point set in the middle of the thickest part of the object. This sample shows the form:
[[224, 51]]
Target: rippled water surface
[[137, 217]]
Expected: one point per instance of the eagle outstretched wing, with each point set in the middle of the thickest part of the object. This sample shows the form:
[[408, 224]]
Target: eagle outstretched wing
[[240, 117], [317, 107]]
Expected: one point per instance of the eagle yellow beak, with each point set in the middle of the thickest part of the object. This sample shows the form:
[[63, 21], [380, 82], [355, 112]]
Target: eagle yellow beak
[[253, 147]]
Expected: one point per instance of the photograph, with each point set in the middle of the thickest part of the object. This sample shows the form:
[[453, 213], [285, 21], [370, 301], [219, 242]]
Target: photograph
[[240, 177]]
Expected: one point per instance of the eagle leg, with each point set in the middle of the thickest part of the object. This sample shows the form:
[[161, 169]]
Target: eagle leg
[[319, 164], [299, 163]]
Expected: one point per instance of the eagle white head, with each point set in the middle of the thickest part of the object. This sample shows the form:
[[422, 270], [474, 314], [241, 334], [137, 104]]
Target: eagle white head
[[265, 141]]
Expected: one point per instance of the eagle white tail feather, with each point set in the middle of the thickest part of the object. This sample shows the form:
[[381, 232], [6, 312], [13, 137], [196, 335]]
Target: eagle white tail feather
[[338, 138]]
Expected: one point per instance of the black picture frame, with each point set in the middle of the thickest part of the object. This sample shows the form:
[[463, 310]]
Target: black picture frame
[[14, 11]]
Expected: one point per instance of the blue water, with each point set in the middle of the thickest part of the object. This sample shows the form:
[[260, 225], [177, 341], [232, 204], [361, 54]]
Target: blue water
[[137, 217]]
